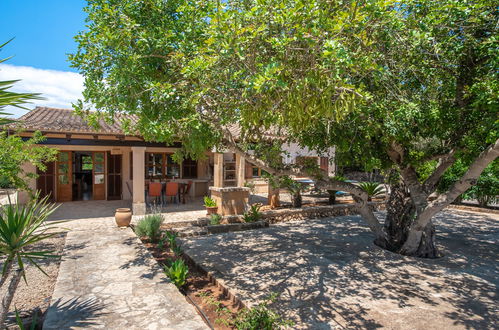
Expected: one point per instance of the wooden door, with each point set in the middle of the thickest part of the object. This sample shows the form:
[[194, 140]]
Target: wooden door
[[99, 175], [45, 182], [64, 177], [114, 183]]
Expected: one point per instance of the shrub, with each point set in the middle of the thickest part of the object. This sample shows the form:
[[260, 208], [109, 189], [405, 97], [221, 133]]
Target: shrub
[[209, 202], [253, 214], [215, 219], [149, 226], [177, 272], [5, 182], [373, 189], [486, 190], [261, 317]]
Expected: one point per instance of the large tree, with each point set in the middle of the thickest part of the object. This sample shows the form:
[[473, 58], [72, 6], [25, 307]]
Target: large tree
[[406, 86]]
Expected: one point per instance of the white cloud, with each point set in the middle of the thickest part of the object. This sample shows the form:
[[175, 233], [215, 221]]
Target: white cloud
[[59, 88]]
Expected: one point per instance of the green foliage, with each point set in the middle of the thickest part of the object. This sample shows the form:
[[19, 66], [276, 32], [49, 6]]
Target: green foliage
[[486, 190], [253, 213], [177, 272], [359, 76], [5, 182], [9, 98], [261, 317], [150, 226], [215, 219], [22, 226], [373, 189], [14, 152], [20, 323], [209, 202]]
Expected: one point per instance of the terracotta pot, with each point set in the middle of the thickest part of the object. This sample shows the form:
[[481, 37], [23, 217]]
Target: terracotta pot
[[211, 210], [123, 217]]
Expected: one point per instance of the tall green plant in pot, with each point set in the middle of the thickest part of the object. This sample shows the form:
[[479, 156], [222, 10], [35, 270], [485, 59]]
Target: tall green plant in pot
[[211, 205], [21, 227]]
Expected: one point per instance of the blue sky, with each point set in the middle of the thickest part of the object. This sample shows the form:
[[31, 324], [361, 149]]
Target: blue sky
[[43, 32]]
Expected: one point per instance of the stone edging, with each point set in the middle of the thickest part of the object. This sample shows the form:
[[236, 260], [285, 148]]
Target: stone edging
[[472, 208], [315, 212]]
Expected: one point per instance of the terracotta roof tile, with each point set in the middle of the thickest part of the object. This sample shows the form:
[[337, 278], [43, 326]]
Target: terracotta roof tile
[[65, 120]]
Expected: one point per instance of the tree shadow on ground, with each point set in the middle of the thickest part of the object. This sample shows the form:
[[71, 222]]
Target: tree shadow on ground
[[330, 274], [74, 313], [142, 258]]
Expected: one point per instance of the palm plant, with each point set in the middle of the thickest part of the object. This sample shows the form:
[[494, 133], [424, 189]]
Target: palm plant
[[22, 226], [373, 189], [9, 98]]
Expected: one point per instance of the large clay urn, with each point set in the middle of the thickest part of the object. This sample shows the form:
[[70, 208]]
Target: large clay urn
[[123, 217]]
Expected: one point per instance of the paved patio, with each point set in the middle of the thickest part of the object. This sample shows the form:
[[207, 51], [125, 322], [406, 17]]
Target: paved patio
[[331, 276], [107, 279]]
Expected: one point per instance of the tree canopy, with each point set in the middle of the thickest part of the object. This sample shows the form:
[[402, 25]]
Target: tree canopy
[[406, 86]]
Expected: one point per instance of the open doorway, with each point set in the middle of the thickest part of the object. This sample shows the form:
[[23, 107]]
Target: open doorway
[[82, 176]]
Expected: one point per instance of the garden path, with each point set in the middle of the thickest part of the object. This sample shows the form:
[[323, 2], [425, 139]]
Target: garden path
[[108, 279]]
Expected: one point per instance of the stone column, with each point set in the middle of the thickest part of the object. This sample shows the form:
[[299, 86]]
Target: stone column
[[139, 205], [240, 170], [218, 179]]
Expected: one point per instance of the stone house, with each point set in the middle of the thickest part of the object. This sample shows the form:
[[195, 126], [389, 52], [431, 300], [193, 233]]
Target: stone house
[[107, 164]]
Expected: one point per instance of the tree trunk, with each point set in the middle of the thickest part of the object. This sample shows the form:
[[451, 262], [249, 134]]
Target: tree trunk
[[9, 295], [332, 197], [401, 214], [296, 200]]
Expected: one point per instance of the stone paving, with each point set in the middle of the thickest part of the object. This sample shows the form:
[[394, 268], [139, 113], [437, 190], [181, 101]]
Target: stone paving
[[330, 276], [108, 280]]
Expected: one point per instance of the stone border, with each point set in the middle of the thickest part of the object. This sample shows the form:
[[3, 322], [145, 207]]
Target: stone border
[[471, 208], [231, 227], [218, 282], [316, 212]]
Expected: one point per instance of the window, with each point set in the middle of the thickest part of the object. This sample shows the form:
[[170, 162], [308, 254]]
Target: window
[[154, 165], [189, 168], [172, 168], [256, 172], [160, 166]]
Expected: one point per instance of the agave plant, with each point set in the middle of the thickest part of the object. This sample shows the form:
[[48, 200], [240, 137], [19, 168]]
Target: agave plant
[[373, 189], [22, 226]]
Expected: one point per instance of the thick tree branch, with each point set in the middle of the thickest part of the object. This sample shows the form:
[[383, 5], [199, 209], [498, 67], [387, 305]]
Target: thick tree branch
[[359, 195], [445, 162], [466, 181]]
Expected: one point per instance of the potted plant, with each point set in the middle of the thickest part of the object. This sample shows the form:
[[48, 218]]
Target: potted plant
[[211, 205]]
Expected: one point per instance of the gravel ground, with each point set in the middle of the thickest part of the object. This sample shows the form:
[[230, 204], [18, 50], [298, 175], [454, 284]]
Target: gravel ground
[[36, 293]]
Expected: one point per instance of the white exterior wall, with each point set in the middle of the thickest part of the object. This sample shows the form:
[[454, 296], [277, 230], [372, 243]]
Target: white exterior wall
[[293, 151]]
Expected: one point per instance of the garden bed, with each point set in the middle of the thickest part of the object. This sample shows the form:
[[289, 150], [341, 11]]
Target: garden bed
[[213, 301], [34, 297]]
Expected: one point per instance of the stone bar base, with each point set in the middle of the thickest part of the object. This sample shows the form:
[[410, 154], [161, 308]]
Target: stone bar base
[[139, 208], [230, 200]]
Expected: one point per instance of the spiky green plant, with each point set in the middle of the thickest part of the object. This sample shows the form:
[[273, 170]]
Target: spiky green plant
[[177, 272], [22, 226], [373, 189], [9, 98], [209, 202]]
